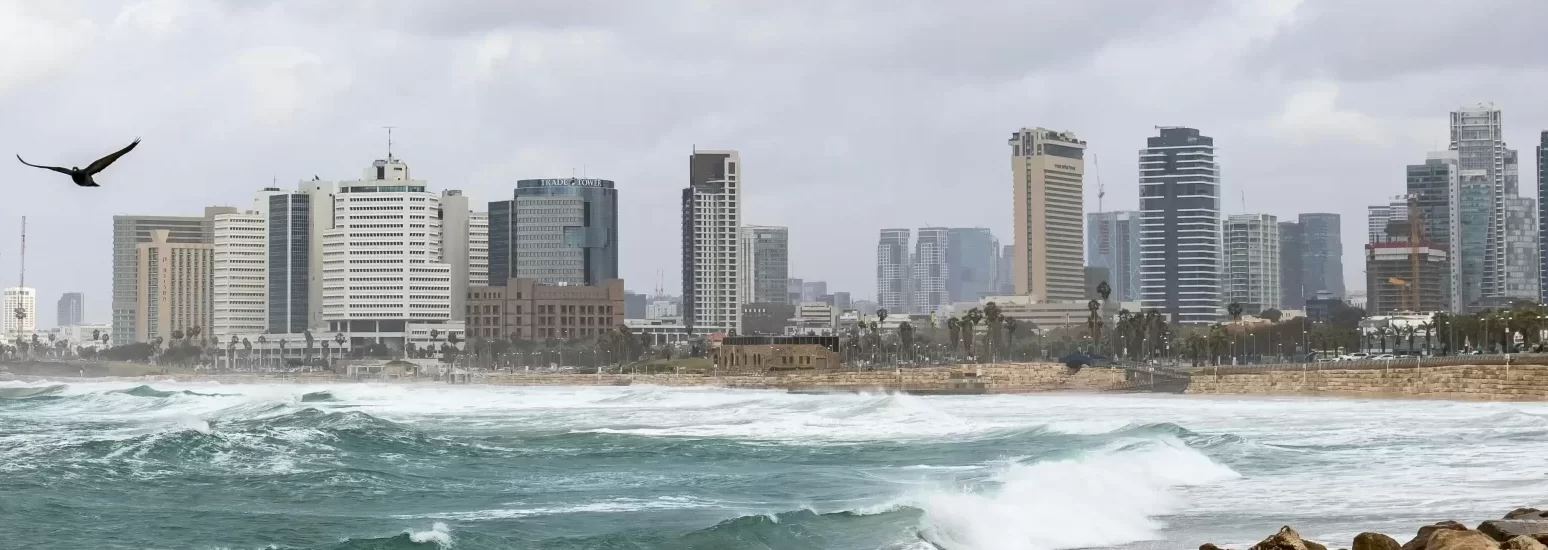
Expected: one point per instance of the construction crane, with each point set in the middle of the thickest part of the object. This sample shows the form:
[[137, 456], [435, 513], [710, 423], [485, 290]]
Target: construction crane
[[1410, 296]]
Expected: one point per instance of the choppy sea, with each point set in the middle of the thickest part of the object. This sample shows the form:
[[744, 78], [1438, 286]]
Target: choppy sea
[[130, 465]]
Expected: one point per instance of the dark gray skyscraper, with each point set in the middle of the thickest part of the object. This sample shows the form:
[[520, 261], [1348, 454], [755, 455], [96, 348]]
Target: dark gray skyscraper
[[555, 231], [1542, 212], [1322, 255], [1113, 242], [290, 246], [1292, 295], [1180, 261], [972, 263], [72, 308]]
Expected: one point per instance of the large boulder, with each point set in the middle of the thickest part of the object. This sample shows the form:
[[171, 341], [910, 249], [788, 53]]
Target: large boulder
[[1421, 540], [1287, 539], [1209, 546], [1375, 541], [1525, 513], [1502, 530], [1450, 539], [1523, 543]]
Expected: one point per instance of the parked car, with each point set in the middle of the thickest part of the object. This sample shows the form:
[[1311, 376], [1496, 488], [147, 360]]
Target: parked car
[[1383, 357], [1356, 356]]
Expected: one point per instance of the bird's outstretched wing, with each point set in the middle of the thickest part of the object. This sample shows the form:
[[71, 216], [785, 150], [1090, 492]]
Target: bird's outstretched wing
[[102, 163], [65, 171]]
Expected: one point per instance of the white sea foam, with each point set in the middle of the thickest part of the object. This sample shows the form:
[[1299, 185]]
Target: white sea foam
[[616, 505], [1107, 497], [438, 533]]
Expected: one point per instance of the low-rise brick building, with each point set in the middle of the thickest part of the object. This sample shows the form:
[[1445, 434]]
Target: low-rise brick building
[[765, 353], [524, 309]]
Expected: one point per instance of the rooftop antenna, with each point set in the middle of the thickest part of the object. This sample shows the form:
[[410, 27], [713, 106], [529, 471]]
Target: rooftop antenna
[[1244, 200], [1096, 167], [389, 141]]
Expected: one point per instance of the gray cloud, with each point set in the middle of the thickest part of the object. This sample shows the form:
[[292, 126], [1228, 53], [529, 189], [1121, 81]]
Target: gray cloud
[[851, 116]]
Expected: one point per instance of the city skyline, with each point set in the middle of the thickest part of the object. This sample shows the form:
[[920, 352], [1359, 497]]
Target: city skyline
[[325, 110]]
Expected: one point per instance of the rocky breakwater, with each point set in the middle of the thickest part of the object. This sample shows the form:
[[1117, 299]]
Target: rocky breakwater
[[1522, 529], [1484, 382]]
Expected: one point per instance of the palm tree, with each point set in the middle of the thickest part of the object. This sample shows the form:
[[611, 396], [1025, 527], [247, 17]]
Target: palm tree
[[325, 354], [993, 317], [339, 339], [955, 326], [1094, 322], [881, 315], [1010, 332], [308, 354], [263, 351], [972, 318], [1383, 332], [1428, 330], [247, 352], [231, 353], [282, 343], [906, 337]]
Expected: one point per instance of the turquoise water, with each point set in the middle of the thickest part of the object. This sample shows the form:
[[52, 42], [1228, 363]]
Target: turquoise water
[[126, 465]]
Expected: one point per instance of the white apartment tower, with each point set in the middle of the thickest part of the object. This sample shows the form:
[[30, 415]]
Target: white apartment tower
[[712, 264], [240, 275], [930, 270], [1252, 261], [381, 261], [26, 300], [893, 275], [478, 249]]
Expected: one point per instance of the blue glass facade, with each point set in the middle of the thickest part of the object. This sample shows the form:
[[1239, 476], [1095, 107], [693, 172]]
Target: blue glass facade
[[290, 239], [501, 233], [572, 240]]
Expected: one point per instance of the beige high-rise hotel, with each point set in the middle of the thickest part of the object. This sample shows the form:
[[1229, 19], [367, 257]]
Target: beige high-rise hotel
[[1049, 169], [174, 290]]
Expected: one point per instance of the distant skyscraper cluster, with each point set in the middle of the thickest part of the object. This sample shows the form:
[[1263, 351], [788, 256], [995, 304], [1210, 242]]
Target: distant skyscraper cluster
[[1460, 236]]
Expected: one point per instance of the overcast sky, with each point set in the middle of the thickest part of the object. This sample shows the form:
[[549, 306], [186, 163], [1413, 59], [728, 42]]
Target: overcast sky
[[850, 116]]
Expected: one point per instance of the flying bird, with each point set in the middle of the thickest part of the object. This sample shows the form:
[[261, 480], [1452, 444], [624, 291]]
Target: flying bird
[[82, 176]]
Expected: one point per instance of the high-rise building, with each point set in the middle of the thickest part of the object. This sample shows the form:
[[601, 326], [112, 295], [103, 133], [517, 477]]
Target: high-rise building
[[382, 266], [26, 300], [456, 244], [765, 257], [1005, 283], [1292, 293], [1048, 168], [128, 233], [1522, 275], [174, 287], [1542, 214], [712, 212], [1475, 215], [239, 276], [478, 249], [294, 259], [893, 274], [813, 291], [72, 309], [1478, 137], [555, 231], [1180, 244], [930, 270], [1436, 191], [1113, 242], [1252, 261], [795, 291], [1380, 216], [1389, 277], [1322, 255], [972, 264]]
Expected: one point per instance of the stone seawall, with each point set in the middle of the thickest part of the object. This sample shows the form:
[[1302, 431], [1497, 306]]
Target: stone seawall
[[1492, 382], [997, 378]]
